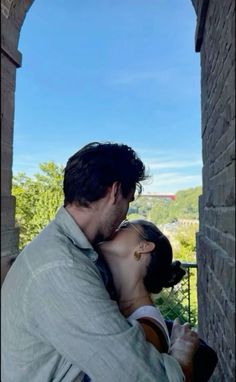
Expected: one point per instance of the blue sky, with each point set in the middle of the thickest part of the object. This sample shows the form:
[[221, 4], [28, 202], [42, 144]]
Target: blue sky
[[111, 70]]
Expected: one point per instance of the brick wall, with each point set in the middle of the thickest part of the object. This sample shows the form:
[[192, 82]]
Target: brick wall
[[12, 16], [216, 237]]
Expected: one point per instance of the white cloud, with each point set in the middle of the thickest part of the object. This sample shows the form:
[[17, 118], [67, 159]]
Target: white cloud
[[171, 182], [170, 170], [172, 76], [173, 164]]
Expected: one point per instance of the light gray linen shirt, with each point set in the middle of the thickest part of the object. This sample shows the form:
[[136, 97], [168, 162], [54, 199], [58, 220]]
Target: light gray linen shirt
[[58, 321]]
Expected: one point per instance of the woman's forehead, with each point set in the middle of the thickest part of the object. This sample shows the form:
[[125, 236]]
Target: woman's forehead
[[133, 225]]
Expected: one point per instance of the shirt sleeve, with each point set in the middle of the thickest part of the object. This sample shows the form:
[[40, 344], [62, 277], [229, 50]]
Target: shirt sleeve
[[71, 309]]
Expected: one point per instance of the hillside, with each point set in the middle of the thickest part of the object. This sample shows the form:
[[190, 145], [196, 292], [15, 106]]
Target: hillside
[[162, 211]]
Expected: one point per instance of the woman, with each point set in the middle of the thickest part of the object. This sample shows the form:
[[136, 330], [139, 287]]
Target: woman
[[139, 257]]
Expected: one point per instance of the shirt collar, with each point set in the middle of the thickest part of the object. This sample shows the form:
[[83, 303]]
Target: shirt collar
[[73, 231]]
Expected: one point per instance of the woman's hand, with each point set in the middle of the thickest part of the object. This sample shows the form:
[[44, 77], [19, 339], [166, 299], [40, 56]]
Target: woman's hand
[[184, 343]]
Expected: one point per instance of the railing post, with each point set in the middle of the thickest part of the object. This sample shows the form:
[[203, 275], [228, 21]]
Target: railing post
[[188, 267], [189, 301]]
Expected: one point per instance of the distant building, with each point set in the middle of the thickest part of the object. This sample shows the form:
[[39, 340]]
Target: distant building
[[158, 195]]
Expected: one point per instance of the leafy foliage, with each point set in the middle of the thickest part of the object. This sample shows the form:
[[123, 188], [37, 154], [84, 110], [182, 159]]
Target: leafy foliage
[[37, 199], [172, 305]]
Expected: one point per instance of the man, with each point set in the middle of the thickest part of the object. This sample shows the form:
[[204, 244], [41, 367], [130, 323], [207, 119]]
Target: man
[[58, 321]]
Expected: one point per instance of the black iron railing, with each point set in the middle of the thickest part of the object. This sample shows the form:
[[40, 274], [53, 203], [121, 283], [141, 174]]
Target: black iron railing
[[181, 300]]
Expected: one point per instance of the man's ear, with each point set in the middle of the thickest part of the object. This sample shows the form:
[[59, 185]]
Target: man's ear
[[146, 246], [115, 191]]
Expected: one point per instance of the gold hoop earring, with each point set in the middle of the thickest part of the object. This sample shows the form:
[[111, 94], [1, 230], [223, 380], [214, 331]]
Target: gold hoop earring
[[137, 256]]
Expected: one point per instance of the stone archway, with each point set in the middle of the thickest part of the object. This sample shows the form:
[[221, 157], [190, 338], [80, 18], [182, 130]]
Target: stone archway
[[215, 39]]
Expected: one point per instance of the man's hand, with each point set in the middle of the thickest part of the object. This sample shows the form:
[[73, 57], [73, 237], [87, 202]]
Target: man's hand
[[184, 343]]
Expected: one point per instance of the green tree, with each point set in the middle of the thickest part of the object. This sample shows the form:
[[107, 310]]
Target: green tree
[[141, 206], [159, 213], [185, 205], [37, 199], [184, 242], [135, 216]]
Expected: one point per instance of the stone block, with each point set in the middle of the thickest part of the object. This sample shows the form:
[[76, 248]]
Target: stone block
[[5, 7], [7, 211], [6, 168], [9, 241], [7, 130], [8, 73]]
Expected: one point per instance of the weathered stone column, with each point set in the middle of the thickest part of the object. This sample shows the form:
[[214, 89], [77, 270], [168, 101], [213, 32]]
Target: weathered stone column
[[215, 39], [12, 16]]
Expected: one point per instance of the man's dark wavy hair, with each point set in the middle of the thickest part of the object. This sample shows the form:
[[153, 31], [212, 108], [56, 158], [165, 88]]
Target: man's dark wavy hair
[[96, 166]]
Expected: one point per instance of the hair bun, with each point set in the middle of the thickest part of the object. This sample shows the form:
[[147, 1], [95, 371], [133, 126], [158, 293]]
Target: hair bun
[[176, 274]]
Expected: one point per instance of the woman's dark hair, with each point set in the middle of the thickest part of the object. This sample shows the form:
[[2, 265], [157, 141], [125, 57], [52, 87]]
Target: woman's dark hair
[[161, 271], [96, 166]]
